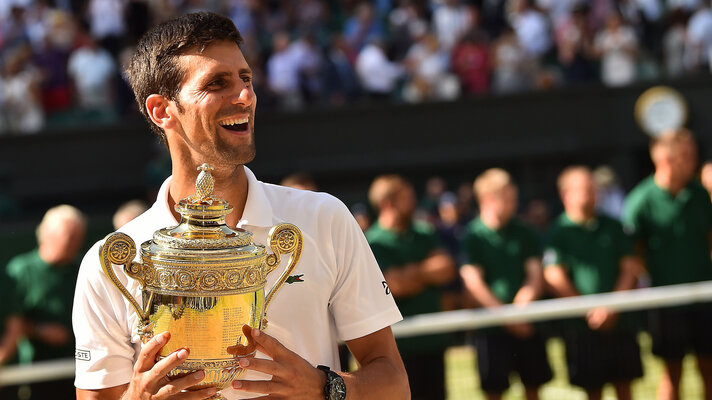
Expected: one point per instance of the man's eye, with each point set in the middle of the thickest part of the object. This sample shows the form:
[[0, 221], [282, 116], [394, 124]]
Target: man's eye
[[216, 84], [247, 79]]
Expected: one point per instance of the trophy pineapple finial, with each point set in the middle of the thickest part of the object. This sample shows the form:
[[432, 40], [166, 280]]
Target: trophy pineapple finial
[[204, 185]]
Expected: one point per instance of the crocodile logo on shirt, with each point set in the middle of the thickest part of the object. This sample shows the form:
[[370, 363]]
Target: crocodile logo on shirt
[[295, 278]]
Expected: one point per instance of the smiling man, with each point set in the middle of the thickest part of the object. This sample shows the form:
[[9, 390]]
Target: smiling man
[[193, 85]]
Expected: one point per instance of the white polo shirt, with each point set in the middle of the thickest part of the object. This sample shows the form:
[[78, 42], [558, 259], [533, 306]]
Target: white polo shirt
[[342, 296]]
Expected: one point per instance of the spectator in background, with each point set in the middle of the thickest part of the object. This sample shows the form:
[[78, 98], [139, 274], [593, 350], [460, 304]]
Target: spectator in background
[[429, 69], [537, 215], [283, 72], [56, 90], [363, 26], [471, 62], [706, 176], [575, 46], [107, 23], [511, 66], [300, 180], [450, 22], [698, 46], [503, 266], [340, 81], [407, 23], [44, 281], [609, 193], [674, 44], [21, 95], [93, 72], [127, 212], [414, 267], [588, 253], [532, 29], [617, 47], [670, 216], [377, 74]]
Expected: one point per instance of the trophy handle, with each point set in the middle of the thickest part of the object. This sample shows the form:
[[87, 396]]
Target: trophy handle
[[283, 239], [119, 249]]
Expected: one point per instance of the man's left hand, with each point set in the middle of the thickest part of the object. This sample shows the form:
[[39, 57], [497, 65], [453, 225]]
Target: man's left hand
[[292, 376]]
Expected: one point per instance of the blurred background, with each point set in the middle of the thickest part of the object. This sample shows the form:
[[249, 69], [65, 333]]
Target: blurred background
[[437, 91]]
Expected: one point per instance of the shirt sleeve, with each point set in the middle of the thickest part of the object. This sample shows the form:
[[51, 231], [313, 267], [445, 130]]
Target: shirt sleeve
[[471, 247], [105, 343], [358, 278], [553, 252]]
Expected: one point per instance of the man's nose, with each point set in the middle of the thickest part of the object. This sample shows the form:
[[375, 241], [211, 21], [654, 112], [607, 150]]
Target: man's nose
[[244, 95]]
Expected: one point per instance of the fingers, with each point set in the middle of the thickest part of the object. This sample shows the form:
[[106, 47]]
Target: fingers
[[256, 386], [269, 345], [175, 386], [147, 357], [262, 365], [163, 367]]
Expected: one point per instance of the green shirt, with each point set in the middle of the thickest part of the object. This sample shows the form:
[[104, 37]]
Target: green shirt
[[590, 252], [393, 250], [45, 294], [674, 229], [501, 254]]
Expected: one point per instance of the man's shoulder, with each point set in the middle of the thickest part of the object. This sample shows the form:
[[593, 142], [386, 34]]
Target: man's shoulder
[[296, 205], [22, 262]]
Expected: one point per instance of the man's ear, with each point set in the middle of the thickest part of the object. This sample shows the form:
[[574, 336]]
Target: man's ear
[[157, 108]]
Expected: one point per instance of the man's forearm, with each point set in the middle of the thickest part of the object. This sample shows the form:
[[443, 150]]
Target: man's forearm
[[382, 378]]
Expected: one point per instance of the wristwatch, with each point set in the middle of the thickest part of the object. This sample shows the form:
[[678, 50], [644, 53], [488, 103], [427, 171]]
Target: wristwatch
[[335, 388]]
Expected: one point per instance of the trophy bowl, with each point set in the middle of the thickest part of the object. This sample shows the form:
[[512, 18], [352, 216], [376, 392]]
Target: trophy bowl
[[204, 283]]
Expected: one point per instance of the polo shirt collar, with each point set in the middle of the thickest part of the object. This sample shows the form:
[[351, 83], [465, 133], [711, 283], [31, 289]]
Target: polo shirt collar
[[590, 225], [258, 210]]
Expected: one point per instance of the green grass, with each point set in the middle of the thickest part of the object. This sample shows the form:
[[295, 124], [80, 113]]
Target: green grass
[[462, 381]]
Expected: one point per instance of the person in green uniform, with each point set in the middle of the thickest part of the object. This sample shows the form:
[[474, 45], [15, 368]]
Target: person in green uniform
[[503, 267], [415, 268], [670, 216], [589, 253], [44, 281]]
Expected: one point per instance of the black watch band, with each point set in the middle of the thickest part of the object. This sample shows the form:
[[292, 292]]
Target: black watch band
[[335, 388]]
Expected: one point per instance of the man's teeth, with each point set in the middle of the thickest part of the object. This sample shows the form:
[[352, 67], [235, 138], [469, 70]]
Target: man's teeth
[[234, 121]]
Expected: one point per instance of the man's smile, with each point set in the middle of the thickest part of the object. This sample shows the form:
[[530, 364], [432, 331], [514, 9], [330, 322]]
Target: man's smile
[[235, 124]]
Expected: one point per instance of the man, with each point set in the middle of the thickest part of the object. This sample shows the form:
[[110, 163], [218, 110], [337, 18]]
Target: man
[[504, 266], [194, 86], [588, 253], [670, 216], [414, 266], [43, 281]]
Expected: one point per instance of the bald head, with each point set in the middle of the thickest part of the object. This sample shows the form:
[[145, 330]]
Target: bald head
[[60, 235]]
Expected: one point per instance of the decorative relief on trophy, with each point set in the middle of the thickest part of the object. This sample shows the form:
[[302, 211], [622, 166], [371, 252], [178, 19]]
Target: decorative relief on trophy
[[203, 282]]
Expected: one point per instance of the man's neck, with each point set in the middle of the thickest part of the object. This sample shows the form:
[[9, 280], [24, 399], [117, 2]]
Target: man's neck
[[492, 221], [579, 216], [664, 179], [230, 185], [391, 221]]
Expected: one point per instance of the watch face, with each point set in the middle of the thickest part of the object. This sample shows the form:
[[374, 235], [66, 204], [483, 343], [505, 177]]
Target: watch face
[[660, 109], [337, 387]]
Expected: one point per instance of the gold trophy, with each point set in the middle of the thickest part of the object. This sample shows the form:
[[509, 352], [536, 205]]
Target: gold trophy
[[203, 281]]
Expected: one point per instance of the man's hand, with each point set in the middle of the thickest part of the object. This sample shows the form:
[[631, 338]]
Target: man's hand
[[292, 376], [150, 380], [520, 330], [601, 319]]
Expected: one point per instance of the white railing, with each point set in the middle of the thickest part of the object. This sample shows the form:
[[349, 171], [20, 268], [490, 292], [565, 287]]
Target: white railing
[[450, 321]]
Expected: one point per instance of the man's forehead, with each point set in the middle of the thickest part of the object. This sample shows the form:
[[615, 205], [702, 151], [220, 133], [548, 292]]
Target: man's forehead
[[218, 57]]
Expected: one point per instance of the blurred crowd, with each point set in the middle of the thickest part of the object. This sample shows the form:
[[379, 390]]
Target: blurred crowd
[[467, 248], [60, 60]]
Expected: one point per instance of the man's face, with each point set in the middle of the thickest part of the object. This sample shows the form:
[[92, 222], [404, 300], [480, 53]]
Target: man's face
[[63, 241], [579, 193], [216, 107], [404, 202], [501, 203]]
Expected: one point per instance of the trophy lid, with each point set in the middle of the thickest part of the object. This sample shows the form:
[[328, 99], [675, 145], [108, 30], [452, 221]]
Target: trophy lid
[[202, 225]]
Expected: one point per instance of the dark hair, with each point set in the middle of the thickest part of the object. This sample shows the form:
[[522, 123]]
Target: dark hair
[[154, 67]]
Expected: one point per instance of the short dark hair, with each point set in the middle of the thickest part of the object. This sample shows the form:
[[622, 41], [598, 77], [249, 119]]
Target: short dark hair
[[154, 67]]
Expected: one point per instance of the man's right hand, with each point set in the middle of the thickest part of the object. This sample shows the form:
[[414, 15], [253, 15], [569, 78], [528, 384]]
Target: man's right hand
[[150, 381], [521, 330]]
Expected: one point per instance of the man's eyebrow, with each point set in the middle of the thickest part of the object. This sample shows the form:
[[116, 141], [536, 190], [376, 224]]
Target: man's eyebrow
[[245, 71]]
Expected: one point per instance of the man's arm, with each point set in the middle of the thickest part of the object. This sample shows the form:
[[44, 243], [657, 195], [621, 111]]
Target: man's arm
[[411, 279], [381, 374], [534, 284], [559, 282], [473, 278], [13, 333]]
